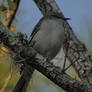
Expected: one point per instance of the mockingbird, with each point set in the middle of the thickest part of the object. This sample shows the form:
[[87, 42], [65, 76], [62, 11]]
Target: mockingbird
[[47, 39]]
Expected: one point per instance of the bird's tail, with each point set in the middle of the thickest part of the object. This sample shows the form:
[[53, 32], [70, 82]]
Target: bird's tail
[[24, 80]]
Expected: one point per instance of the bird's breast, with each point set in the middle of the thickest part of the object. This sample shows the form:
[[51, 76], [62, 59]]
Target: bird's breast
[[49, 39]]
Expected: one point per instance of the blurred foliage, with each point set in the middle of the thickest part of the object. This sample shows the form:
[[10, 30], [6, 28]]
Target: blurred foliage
[[8, 75], [6, 11], [10, 4], [2, 8]]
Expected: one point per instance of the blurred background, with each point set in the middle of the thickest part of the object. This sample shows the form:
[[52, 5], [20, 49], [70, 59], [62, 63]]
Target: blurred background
[[27, 16]]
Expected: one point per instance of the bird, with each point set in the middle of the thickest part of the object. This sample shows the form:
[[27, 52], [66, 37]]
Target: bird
[[47, 39], [48, 36]]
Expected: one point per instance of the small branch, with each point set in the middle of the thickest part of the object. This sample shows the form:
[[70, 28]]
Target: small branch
[[6, 83]]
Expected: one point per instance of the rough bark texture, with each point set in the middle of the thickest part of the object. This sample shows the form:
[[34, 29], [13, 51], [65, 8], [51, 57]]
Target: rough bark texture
[[48, 69], [77, 53]]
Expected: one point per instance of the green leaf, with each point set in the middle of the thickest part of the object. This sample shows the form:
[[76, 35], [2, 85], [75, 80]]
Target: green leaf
[[2, 8], [11, 4]]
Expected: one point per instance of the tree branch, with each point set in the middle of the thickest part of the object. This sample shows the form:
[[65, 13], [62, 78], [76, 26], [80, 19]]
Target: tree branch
[[76, 49], [48, 69]]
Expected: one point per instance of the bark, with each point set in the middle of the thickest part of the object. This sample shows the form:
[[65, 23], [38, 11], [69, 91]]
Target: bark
[[76, 51], [48, 69]]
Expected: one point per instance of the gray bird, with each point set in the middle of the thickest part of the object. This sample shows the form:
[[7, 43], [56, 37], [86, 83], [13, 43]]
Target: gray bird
[[47, 39]]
